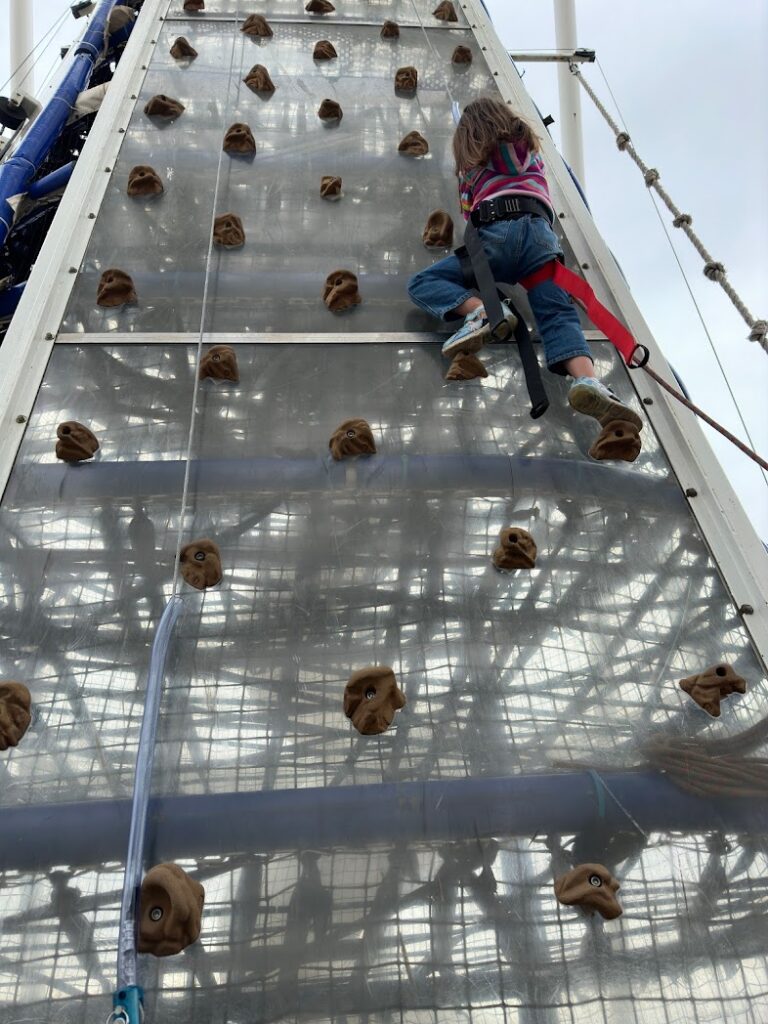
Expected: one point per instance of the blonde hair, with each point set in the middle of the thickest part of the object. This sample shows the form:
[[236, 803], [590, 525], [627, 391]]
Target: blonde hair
[[484, 123]]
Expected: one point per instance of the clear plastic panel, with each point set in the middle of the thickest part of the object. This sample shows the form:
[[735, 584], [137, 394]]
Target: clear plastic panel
[[564, 671], [326, 568], [294, 238], [404, 12]]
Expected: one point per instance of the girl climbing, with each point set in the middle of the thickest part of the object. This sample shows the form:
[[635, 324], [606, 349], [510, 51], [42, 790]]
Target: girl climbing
[[497, 155]]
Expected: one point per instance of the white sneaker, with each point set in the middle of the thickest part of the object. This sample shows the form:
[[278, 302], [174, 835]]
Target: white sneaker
[[475, 331], [591, 397]]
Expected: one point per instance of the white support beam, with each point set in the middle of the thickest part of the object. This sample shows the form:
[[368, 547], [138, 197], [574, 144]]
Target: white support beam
[[568, 87], [21, 47]]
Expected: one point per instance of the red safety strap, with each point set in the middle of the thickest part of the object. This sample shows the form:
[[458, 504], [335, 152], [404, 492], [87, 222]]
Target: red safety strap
[[602, 318]]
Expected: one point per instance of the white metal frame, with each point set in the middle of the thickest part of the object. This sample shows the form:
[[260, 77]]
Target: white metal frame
[[740, 555], [27, 346]]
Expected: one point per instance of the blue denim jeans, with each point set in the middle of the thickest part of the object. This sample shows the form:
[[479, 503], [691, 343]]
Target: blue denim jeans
[[514, 248]]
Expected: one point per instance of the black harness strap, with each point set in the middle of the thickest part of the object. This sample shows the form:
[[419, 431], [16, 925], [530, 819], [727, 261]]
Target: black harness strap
[[477, 274], [485, 283]]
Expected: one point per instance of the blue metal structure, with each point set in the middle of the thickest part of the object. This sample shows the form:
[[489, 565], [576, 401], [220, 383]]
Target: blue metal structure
[[18, 172]]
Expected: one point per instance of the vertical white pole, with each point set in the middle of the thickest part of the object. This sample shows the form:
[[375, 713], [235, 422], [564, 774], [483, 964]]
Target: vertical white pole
[[570, 100], [21, 46]]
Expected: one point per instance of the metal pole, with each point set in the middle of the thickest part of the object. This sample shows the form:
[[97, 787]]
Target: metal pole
[[21, 47], [568, 87]]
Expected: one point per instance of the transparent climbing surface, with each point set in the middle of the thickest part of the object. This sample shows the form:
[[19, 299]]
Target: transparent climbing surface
[[406, 876], [294, 237], [371, 12], [328, 892]]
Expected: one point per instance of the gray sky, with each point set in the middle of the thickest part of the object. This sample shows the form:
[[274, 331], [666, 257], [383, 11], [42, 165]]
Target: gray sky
[[691, 79]]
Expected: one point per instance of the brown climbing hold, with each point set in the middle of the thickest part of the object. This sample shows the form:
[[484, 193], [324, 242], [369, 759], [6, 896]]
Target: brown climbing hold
[[171, 907], [200, 563], [330, 110], [258, 79], [239, 139], [439, 230], [15, 713], [324, 50], [194, 5], [257, 25], [228, 231], [591, 887], [183, 48], [320, 7], [413, 144], [371, 698], [330, 187], [219, 363], [144, 181], [445, 11], [709, 687], [406, 79], [465, 366], [164, 107], [390, 30], [619, 439], [340, 291], [516, 550], [76, 442], [353, 437], [461, 55], [115, 288]]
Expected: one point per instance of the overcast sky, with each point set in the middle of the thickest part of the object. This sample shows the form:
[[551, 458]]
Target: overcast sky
[[691, 79]]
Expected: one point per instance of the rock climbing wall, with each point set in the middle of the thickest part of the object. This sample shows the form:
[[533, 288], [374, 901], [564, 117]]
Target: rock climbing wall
[[335, 886]]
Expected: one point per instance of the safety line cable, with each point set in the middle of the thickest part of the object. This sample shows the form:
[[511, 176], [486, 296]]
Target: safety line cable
[[714, 352], [713, 270], [707, 419], [696, 306], [206, 288], [127, 964], [39, 43]]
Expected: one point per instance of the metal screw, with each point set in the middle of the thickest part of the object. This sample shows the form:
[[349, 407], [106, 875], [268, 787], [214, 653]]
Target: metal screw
[[746, 609], [691, 492], [585, 266], [561, 216], [156, 913], [91, 216], [370, 693], [121, 131], [595, 880], [134, 96], [21, 419], [107, 169], [647, 401], [49, 336], [73, 270]]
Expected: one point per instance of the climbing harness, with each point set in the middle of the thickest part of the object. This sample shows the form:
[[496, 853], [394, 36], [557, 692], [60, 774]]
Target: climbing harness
[[713, 269], [601, 317], [477, 273]]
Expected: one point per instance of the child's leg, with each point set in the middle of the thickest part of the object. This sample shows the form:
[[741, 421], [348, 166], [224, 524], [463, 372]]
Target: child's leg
[[440, 289], [567, 353]]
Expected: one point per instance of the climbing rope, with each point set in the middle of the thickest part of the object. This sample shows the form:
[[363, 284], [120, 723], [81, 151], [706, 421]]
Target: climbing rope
[[713, 269], [707, 419], [203, 311]]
